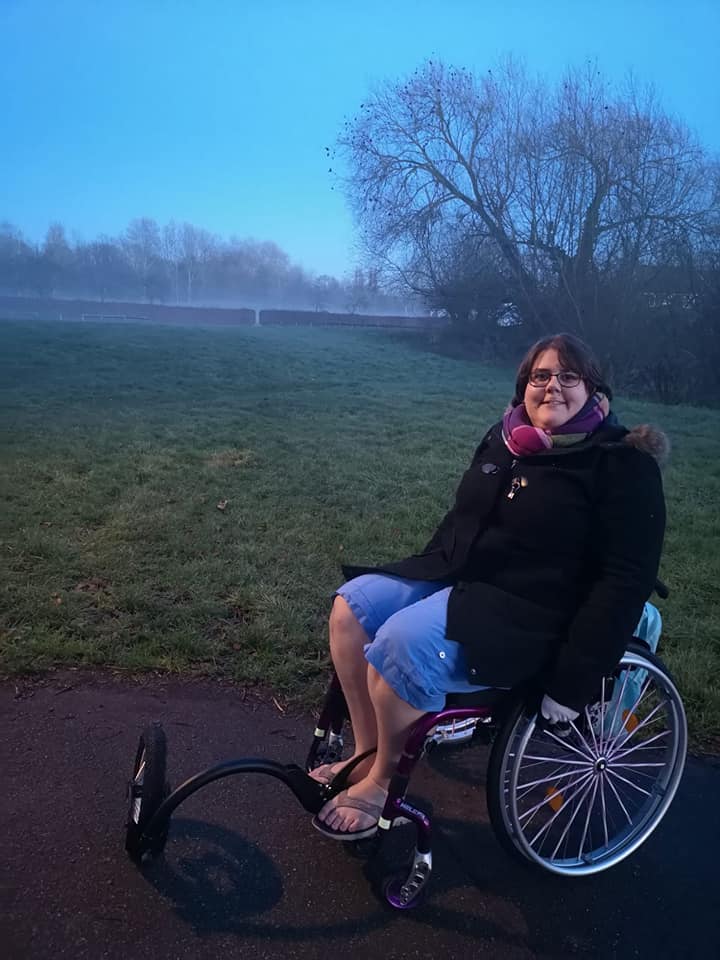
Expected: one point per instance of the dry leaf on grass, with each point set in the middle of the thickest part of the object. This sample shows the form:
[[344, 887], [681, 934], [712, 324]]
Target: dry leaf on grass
[[92, 585], [234, 457]]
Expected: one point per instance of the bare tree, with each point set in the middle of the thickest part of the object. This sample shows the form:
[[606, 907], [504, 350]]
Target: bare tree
[[573, 187], [142, 248], [171, 253], [357, 292], [197, 247], [103, 269], [15, 259], [324, 287], [57, 257]]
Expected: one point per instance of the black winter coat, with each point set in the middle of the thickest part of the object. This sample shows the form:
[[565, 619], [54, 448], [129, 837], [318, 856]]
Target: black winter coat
[[551, 558]]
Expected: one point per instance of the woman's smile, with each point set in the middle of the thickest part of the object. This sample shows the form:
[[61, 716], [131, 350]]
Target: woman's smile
[[552, 405]]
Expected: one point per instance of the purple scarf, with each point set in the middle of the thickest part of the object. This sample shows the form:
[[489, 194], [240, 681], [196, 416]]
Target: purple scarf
[[523, 439]]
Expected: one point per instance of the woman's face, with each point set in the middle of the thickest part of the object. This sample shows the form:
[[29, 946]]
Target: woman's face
[[553, 405]]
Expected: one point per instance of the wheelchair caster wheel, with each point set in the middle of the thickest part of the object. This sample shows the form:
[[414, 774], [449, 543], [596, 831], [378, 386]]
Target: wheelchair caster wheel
[[147, 789], [401, 894]]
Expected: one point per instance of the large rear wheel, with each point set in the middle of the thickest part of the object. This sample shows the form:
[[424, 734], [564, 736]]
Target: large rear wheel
[[578, 801]]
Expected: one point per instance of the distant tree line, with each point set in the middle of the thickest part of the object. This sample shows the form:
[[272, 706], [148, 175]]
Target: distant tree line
[[179, 264], [519, 207]]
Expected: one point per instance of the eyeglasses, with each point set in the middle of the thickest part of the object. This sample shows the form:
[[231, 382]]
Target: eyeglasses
[[566, 378]]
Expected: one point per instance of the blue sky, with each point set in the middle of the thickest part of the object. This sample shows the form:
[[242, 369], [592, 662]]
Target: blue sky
[[219, 112]]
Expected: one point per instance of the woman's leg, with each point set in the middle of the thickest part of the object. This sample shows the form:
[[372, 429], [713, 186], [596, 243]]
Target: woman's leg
[[347, 643], [395, 717], [412, 666], [361, 607], [407, 677]]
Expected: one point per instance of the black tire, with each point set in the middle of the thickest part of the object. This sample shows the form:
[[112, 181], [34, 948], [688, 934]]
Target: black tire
[[147, 789], [579, 801], [494, 782]]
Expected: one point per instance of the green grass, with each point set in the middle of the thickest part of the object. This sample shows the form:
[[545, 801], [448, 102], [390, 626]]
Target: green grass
[[120, 442]]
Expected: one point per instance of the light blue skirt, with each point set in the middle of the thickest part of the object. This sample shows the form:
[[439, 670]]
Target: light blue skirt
[[405, 621]]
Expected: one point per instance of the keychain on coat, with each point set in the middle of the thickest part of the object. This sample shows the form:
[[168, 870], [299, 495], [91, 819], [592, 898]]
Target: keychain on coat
[[517, 484]]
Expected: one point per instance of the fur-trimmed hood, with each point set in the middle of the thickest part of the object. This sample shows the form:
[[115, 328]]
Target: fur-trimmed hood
[[650, 440]]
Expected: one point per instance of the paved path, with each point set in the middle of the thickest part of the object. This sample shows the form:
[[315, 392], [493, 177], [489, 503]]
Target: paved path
[[245, 875]]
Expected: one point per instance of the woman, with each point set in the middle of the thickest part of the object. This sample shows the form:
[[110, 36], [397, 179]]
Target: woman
[[541, 568]]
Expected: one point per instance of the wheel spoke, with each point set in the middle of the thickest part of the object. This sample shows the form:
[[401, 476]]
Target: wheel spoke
[[578, 763], [617, 797], [619, 776], [587, 818], [546, 799], [650, 778], [579, 786], [588, 722], [602, 711], [578, 801], [612, 750], [541, 762], [643, 690], [643, 745], [552, 778], [604, 809], [589, 747], [634, 766], [618, 701], [567, 746], [598, 781]]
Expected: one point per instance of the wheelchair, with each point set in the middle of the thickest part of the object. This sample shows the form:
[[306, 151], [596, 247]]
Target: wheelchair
[[569, 799]]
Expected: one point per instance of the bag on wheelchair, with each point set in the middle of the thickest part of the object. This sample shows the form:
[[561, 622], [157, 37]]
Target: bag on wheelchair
[[628, 685]]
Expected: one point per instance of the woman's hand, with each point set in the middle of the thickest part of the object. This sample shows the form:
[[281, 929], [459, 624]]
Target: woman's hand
[[555, 712]]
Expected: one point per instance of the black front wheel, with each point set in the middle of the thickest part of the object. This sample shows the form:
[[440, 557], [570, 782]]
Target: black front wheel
[[146, 791]]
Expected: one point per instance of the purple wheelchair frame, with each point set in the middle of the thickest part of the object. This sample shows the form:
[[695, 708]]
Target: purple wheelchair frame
[[402, 890]]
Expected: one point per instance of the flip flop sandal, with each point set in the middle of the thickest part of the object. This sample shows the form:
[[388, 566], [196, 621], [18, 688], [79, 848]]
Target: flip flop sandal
[[355, 803], [324, 774], [339, 778]]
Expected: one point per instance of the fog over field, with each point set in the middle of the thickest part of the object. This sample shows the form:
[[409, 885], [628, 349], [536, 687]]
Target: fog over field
[[183, 265]]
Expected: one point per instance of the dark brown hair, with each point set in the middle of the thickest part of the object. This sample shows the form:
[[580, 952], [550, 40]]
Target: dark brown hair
[[574, 355]]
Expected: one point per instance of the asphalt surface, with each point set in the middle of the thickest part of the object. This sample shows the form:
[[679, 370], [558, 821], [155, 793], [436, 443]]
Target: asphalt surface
[[244, 874]]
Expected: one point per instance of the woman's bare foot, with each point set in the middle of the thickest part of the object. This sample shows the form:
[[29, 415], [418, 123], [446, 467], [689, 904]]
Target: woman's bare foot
[[347, 819], [328, 771]]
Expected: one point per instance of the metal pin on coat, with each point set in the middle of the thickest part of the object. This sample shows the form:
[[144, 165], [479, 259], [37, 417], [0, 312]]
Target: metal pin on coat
[[517, 484]]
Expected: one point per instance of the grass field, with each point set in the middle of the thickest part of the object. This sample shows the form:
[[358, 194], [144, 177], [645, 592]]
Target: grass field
[[181, 499]]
